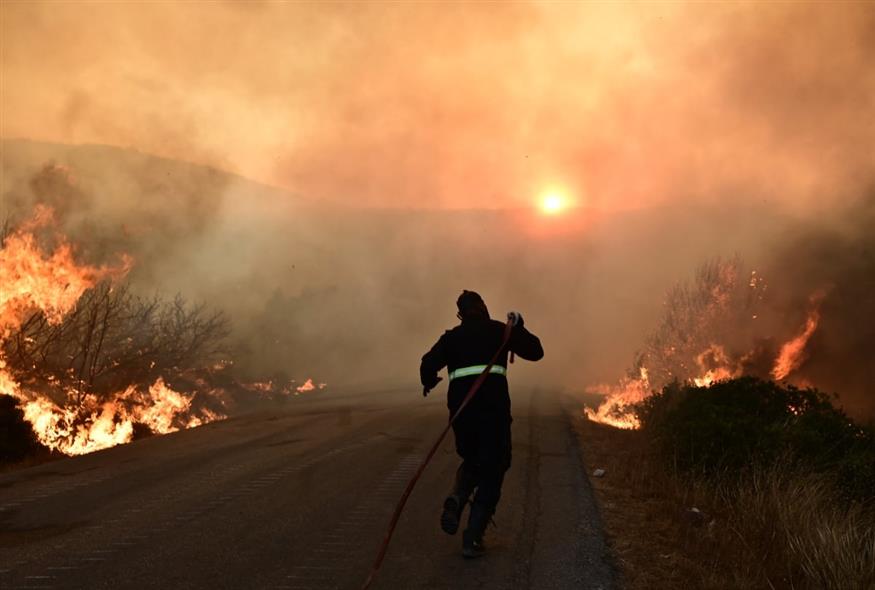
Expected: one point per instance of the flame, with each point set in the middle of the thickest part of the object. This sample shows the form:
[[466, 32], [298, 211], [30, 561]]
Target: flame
[[307, 386], [263, 386], [65, 429], [715, 365], [614, 410], [268, 388], [712, 376], [793, 353], [717, 308], [162, 405], [8, 385], [85, 424], [52, 283]]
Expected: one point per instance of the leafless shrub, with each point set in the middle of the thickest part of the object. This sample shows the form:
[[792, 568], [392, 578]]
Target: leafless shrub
[[114, 338], [715, 308]]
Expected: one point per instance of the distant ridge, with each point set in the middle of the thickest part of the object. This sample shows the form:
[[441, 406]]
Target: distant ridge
[[99, 166]]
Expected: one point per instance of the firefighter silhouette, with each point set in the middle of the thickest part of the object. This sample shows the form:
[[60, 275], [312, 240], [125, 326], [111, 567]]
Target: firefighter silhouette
[[483, 428]]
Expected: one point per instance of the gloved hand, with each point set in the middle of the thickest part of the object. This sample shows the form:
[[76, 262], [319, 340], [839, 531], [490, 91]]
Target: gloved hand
[[431, 386], [516, 318]]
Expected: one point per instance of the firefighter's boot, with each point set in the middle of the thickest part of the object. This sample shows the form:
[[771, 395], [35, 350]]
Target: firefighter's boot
[[472, 537], [455, 502]]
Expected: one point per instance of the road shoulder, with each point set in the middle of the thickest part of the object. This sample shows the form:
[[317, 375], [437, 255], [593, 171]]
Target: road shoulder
[[570, 550]]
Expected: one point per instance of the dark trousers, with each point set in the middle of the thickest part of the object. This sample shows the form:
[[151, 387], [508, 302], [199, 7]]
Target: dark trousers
[[483, 442]]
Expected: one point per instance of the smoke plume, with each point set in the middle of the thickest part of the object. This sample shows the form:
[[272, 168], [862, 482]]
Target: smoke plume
[[333, 175]]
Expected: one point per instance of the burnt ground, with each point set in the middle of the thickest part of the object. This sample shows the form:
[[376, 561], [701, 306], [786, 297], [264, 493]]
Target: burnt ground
[[299, 498]]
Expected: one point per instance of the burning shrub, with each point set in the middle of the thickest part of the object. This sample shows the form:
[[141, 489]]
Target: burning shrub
[[735, 426], [702, 320], [85, 357], [113, 338], [712, 329], [97, 376]]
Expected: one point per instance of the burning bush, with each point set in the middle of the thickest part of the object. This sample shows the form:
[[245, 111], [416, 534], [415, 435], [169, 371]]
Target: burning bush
[[85, 357], [739, 425], [786, 479], [93, 364], [113, 338], [713, 329], [707, 326]]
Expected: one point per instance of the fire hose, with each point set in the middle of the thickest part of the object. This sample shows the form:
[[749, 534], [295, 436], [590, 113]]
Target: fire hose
[[393, 522]]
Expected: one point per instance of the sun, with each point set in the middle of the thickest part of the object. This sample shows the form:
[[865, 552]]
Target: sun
[[553, 202]]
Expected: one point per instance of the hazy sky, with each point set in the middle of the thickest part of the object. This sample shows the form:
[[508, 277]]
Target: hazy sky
[[452, 104]]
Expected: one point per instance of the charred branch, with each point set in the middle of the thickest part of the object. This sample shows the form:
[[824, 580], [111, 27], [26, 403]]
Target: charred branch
[[114, 338]]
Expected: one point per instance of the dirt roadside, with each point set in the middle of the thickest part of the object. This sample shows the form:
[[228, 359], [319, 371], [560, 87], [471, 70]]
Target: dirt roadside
[[654, 538]]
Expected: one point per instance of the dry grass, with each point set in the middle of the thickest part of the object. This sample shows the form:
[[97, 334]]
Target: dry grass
[[826, 543], [773, 530]]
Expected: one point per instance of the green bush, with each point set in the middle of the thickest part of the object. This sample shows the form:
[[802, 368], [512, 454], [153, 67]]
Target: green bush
[[736, 425], [17, 438]]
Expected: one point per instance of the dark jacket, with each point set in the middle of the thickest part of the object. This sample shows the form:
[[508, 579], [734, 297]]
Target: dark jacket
[[473, 342]]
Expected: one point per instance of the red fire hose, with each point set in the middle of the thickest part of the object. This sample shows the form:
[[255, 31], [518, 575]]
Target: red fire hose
[[400, 506]]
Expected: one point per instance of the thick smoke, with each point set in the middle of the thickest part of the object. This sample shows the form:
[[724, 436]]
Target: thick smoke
[[428, 105], [109, 202], [407, 142], [835, 258]]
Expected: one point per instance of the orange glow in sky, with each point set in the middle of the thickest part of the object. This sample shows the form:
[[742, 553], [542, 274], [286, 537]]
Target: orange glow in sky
[[613, 98]]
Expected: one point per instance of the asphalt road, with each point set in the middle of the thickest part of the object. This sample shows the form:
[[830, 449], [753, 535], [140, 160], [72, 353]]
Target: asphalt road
[[299, 498]]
